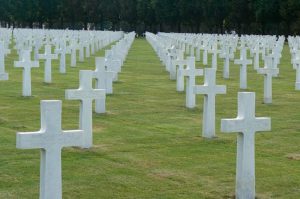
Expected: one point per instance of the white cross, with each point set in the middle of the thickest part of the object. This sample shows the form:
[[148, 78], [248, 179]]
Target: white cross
[[48, 56], [179, 65], [214, 52], [198, 53], [191, 73], [256, 52], [297, 67], [62, 52], [26, 64], [37, 46], [205, 49], [81, 52], [246, 125], [50, 139], [86, 94], [3, 53], [209, 89], [243, 61], [72, 48], [87, 49], [174, 63], [113, 65], [268, 73], [104, 80], [227, 55], [92, 47]]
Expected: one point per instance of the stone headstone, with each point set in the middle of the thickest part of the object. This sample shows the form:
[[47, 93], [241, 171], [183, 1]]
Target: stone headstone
[[268, 73], [81, 52], [243, 62], [62, 50], [3, 53], [48, 57], [191, 73], [179, 65], [227, 56], [50, 140], [104, 80], [86, 94], [246, 125], [297, 67], [26, 64], [214, 51], [209, 90]]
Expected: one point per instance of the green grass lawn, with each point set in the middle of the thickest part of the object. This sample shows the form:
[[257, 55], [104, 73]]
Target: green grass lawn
[[149, 145]]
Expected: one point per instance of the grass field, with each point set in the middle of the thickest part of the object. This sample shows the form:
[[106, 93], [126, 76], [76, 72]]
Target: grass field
[[149, 145]]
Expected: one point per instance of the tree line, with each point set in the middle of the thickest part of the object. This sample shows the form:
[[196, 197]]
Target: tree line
[[280, 17]]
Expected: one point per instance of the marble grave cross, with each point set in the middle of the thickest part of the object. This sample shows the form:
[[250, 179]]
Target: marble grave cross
[[214, 50], [104, 80], [179, 65], [26, 64], [246, 125], [3, 53], [62, 52], [191, 73], [209, 89], [227, 55], [48, 56], [268, 71], [50, 140], [243, 62], [297, 67], [86, 94]]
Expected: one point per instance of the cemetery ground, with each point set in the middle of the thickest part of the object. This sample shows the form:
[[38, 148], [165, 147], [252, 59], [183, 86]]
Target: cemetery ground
[[148, 145]]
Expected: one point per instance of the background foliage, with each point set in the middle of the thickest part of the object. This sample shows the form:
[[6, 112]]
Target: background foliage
[[211, 16]]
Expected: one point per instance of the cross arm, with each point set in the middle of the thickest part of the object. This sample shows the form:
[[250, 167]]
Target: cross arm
[[79, 94], [73, 94], [262, 124], [18, 64], [201, 89], [195, 72], [265, 71], [232, 125], [240, 125], [72, 138], [30, 140]]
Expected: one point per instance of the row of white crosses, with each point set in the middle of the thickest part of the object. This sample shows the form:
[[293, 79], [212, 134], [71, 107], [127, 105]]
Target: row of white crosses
[[246, 124], [61, 50], [86, 93], [268, 46], [50, 139]]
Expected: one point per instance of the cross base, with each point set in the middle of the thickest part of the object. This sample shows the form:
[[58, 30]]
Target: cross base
[[267, 100], [4, 76], [298, 86], [100, 105]]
